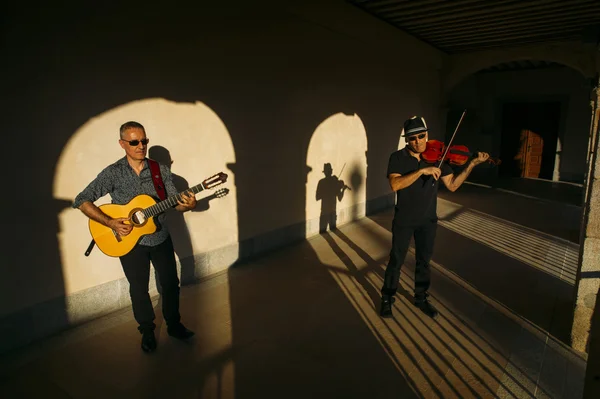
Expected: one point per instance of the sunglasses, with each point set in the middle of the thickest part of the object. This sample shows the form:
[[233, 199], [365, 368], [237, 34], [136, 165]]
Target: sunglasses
[[134, 143], [419, 136]]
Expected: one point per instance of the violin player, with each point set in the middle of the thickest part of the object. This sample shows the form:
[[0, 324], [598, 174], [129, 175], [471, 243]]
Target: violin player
[[415, 214]]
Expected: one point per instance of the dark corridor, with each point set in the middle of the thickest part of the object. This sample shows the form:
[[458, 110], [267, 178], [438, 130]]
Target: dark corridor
[[529, 139]]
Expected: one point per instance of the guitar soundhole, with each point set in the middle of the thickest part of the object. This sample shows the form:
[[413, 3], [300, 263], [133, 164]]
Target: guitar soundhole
[[138, 218]]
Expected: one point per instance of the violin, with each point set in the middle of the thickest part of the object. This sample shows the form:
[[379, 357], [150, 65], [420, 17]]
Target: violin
[[455, 154]]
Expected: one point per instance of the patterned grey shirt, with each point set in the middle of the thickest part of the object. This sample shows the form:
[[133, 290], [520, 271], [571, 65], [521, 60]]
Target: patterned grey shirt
[[122, 183]]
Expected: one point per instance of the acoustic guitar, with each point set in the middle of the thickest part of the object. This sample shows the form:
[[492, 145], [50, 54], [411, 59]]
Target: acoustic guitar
[[140, 212]]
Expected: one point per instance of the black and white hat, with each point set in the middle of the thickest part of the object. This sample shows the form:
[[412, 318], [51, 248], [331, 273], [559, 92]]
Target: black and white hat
[[414, 125]]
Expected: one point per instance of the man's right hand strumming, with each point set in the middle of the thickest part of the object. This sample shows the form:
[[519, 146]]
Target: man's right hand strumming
[[118, 224], [120, 227]]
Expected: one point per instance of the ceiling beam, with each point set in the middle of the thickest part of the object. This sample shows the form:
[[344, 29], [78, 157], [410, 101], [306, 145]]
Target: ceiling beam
[[430, 7], [490, 46], [511, 36], [545, 16], [557, 25], [486, 12]]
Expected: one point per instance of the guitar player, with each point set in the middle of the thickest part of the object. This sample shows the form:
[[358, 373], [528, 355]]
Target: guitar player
[[123, 180]]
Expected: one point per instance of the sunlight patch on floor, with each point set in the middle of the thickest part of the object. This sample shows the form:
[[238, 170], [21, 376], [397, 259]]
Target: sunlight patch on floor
[[549, 254]]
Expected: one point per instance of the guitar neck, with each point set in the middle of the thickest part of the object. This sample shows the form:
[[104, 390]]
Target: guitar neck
[[170, 202]]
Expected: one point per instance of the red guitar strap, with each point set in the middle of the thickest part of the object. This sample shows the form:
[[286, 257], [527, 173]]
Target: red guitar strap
[[157, 179]]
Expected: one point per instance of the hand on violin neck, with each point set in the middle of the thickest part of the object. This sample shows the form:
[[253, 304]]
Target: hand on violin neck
[[481, 158]]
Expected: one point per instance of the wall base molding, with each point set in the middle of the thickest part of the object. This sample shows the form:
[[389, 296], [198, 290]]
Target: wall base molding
[[51, 317]]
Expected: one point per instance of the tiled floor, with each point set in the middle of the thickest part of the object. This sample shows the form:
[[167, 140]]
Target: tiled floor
[[303, 323]]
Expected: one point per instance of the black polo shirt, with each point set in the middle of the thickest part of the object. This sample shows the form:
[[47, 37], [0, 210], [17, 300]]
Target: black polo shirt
[[416, 203]]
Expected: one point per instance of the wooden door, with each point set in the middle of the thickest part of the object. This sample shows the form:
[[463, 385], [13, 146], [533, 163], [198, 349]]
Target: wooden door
[[530, 154], [529, 137]]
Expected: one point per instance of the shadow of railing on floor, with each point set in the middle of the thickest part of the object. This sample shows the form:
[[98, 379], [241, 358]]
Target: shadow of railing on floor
[[422, 357], [556, 257]]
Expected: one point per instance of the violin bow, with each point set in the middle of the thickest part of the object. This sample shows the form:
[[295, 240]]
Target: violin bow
[[450, 142], [342, 171]]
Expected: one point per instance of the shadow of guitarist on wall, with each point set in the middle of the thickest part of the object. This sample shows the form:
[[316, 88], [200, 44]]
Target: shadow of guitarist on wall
[[182, 242], [329, 189]]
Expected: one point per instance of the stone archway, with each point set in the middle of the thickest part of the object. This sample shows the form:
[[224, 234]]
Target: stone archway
[[561, 86], [581, 57]]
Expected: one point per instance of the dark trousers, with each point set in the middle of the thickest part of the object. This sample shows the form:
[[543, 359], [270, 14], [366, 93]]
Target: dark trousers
[[424, 236], [136, 265], [327, 219]]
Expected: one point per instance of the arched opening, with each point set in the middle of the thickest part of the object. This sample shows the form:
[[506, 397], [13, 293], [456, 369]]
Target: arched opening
[[533, 115], [336, 182], [196, 143]]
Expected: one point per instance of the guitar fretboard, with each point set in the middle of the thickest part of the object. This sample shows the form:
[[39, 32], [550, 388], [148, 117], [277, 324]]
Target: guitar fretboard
[[170, 202]]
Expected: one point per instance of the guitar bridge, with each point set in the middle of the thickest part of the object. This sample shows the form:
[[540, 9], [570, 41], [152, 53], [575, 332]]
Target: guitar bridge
[[117, 236]]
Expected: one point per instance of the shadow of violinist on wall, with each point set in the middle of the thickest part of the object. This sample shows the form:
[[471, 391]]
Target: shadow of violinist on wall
[[182, 242], [329, 189]]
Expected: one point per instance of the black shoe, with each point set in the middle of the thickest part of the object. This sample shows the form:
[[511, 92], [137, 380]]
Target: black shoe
[[386, 306], [148, 341], [425, 306], [179, 331]]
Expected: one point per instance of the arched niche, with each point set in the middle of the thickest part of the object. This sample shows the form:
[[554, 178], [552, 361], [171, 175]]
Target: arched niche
[[196, 140], [337, 147]]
